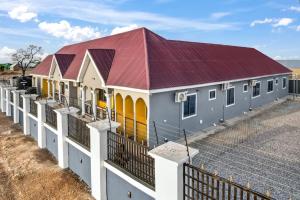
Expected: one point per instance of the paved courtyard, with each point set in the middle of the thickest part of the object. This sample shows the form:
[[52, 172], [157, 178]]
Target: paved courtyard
[[263, 150]]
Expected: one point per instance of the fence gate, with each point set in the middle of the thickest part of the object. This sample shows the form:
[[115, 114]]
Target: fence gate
[[199, 184]]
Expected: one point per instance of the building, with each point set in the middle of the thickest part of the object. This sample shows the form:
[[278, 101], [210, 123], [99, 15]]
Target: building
[[138, 77]]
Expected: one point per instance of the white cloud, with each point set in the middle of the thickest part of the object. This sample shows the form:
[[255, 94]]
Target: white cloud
[[22, 14], [124, 29], [274, 22], [5, 54], [294, 8], [103, 13], [298, 28], [64, 29], [265, 21], [283, 22], [219, 15]]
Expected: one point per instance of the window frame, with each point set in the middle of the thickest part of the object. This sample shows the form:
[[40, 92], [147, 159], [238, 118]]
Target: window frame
[[232, 87], [270, 80], [244, 88], [284, 78], [253, 97], [213, 90], [182, 107]]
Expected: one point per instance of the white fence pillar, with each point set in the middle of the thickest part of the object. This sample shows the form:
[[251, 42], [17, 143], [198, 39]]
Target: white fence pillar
[[62, 133], [98, 148], [7, 105], [169, 159], [16, 104], [26, 110], [41, 116], [2, 98]]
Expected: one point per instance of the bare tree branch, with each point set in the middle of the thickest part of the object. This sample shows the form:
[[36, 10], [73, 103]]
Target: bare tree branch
[[27, 57]]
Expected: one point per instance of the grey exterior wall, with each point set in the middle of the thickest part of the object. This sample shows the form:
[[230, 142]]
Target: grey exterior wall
[[80, 164], [51, 142], [118, 188], [168, 115], [33, 128], [21, 119]]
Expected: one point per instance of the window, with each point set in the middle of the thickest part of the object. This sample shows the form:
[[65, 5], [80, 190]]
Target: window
[[230, 96], [256, 90], [276, 81], [283, 83], [270, 86], [212, 94], [245, 88], [189, 106]]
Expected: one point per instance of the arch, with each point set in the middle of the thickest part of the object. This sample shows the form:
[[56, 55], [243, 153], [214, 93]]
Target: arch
[[141, 121], [101, 101], [119, 112], [129, 117]]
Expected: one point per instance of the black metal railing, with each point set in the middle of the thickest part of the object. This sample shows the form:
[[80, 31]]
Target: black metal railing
[[78, 131], [11, 94], [129, 127], [131, 157], [20, 101], [33, 107], [101, 113], [200, 184], [141, 132], [51, 116], [56, 97], [74, 102], [119, 118], [88, 108]]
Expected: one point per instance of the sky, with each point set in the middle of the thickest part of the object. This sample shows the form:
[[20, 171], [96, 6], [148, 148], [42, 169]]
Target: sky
[[271, 26]]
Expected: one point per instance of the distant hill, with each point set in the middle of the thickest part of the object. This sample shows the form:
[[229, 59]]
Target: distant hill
[[290, 63]]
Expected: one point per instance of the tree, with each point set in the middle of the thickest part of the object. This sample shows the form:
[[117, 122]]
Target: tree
[[28, 57]]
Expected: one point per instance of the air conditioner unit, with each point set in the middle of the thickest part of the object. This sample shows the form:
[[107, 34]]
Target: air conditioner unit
[[252, 82], [225, 86], [180, 96]]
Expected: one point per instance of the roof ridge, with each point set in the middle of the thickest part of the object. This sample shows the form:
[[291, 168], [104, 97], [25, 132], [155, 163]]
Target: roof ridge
[[146, 58]]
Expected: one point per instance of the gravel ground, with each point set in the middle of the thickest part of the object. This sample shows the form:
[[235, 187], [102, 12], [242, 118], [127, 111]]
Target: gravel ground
[[263, 150], [29, 173]]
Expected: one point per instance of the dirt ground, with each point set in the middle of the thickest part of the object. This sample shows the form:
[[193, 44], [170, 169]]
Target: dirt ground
[[27, 172]]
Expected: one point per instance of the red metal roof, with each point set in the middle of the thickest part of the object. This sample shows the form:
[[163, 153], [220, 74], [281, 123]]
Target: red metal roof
[[103, 59], [145, 60], [44, 67], [64, 61]]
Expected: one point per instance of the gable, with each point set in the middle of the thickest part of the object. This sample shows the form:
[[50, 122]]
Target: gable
[[89, 74]]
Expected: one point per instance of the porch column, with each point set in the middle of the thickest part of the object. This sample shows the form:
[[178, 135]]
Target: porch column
[[82, 90], [94, 102], [134, 121], [98, 141], [59, 91], [108, 105], [62, 133], [53, 89], [124, 115], [49, 88], [169, 160]]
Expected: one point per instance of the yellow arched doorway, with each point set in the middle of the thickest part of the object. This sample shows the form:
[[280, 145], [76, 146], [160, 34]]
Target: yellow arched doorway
[[129, 119], [119, 113], [45, 88], [141, 121]]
